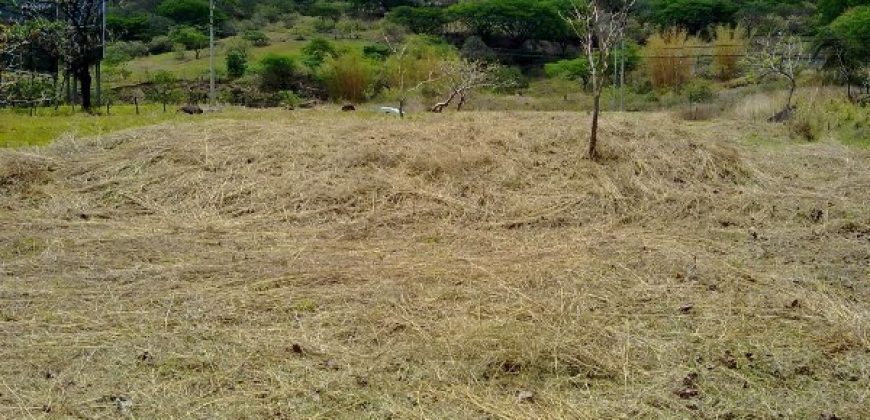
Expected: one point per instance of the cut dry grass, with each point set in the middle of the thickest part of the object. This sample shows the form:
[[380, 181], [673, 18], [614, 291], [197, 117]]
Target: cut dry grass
[[343, 266]]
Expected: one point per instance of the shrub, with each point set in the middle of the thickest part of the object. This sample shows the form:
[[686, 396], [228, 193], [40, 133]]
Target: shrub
[[349, 77], [256, 38], [179, 51], [348, 28], [277, 72], [237, 62], [289, 99], [160, 44], [120, 52], [729, 44], [421, 20], [324, 25], [698, 90], [316, 51], [378, 52], [190, 37], [669, 57]]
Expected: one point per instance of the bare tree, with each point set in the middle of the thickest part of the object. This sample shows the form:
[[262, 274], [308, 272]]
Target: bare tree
[[599, 30], [465, 76], [779, 56], [405, 84]]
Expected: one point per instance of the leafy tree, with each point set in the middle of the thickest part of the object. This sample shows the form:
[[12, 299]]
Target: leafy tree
[[576, 69], [846, 45], [829, 10], [256, 38], [694, 15], [517, 20], [128, 28], [316, 51], [781, 57], [191, 38], [277, 72], [189, 12], [421, 20], [163, 88], [237, 61]]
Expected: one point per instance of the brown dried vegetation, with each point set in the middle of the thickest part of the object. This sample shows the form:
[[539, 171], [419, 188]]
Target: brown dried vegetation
[[456, 266]]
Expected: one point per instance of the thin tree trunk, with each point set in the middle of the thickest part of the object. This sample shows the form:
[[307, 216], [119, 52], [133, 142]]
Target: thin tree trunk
[[402, 108], [593, 135], [462, 99], [85, 80], [790, 92]]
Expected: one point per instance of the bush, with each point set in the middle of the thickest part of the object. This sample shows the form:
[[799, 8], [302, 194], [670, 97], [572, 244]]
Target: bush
[[349, 77], [289, 99], [120, 52], [378, 52], [316, 51], [237, 62], [698, 90], [256, 38], [179, 51], [191, 38], [277, 72], [324, 25], [510, 79], [421, 20], [160, 44]]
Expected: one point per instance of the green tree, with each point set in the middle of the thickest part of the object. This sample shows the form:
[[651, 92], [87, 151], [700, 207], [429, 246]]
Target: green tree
[[316, 52], [829, 10], [277, 72], [693, 15], [164, 88], [189, 12], [237, 62], [517, 20], [190, 37], [846, 45], [127, 28], [421, 20]]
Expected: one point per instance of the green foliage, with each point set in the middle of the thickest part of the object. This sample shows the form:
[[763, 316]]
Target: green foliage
[[190, 37], [237, 62], [128, 28], [829, 10], [518, 20], [698, 90], [376, 51], [475, 49], [189, 12], [693, 15], [160, 44], [421, 20], [256, 38], [163, 88], [316, 52], [288, 99], [277, 72], [573, 69], [851, 30], [120, 52]]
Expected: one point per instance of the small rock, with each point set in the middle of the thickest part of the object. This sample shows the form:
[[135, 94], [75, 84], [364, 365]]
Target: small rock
[[296, 348], [687, 308], [124, 404], [348, 107], [525, 396], [828, 416], [795, 304]]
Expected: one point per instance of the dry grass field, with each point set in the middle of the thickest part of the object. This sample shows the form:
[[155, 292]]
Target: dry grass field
[[472, 265]]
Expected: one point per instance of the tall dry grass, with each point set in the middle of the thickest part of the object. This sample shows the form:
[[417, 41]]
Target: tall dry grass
[[729, 47], [350, 77], [670, 57]]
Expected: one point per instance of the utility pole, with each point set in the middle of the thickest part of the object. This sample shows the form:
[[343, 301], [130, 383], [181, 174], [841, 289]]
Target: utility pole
[[622, 75], [98, 68], [211, 93]]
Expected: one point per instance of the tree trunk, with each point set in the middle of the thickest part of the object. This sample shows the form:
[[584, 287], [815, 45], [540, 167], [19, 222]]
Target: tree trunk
[[593, 135], [462, 99], [84, 77], [792, 87], [439, 107], [402, 108]]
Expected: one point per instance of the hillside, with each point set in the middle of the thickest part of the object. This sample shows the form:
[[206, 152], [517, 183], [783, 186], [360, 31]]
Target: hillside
[[465, 265]]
